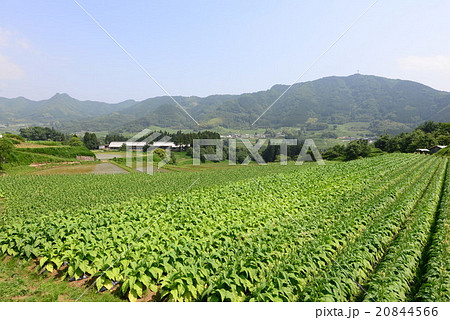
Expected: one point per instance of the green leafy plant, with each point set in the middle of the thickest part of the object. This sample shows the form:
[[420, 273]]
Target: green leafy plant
[[354, 221]]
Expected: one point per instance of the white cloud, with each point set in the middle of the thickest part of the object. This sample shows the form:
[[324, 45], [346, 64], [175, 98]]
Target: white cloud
[[13, 39], [9, 70], [23, 43], [5, 37], [440, 64]]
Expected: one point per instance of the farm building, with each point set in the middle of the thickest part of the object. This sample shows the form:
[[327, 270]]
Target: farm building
[[436, 149], [165, 145], [141, 145], [133, 145], [422, 151], [115, 145]]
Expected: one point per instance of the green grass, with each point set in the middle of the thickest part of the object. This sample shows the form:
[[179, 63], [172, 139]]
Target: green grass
[[22, 158], [14, 137], [20, 281], [14, 170], [46, 143], [114, 152], [64, 152], [353, 129]]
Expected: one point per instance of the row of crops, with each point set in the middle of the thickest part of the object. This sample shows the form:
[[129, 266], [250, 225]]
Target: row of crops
[[39, 194], [373, 230]]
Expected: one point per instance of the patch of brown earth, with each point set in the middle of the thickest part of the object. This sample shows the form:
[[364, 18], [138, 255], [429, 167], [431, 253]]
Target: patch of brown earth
[[148, 296], [40, 164], [64, 298], [21, 297]]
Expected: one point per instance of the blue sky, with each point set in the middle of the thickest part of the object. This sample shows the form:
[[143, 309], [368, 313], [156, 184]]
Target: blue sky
[[207, 47]]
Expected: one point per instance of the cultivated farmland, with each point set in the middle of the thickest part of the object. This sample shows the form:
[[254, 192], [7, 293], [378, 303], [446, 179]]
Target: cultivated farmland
[[375, 230]]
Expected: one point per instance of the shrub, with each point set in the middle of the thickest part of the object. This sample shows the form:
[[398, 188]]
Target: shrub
[[160, 152], [6, 148], [14, 136], [75, 142]]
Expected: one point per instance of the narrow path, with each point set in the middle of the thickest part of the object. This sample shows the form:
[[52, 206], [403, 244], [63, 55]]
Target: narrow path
[[107, 168]]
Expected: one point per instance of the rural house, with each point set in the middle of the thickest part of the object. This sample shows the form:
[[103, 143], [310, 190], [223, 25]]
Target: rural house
[[436, 149], [422, 151]]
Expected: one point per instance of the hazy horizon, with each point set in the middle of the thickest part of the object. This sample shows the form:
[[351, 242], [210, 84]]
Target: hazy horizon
[[214, 94]]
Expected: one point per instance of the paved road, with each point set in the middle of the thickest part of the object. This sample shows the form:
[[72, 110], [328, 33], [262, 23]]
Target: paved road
[[107, 168]]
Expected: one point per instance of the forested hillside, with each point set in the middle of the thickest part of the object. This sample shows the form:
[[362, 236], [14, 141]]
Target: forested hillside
[[390, 106]]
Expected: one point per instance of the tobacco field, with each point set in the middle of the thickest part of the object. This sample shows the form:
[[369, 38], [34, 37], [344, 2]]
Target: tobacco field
[[375, 229]]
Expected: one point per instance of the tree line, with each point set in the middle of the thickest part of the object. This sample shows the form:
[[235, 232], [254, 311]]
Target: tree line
[[92, 142], [353, 150], [89, 140], [184, 138], [42, 134], [423, 137]]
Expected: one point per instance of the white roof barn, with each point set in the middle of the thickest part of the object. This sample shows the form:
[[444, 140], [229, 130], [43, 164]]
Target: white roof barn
[[139, 145], [136, 144], [118, 145], [164, 144]]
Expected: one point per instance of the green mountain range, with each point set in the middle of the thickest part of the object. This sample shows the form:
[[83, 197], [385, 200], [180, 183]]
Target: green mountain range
[[380, 101], [60, 107]]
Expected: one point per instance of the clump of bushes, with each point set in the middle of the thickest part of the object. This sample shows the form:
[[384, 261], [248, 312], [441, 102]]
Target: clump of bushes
[[354, 150]]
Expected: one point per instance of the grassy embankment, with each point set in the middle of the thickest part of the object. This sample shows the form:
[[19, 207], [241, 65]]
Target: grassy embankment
[[30, 156]]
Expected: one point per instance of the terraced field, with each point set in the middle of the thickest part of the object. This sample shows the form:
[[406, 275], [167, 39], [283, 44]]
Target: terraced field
[[373, 230]]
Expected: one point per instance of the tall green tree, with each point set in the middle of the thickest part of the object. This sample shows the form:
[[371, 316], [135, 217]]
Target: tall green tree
[[429, 126], [357, 149], [75, 142], [354, 150], [41, 133], [90, 141], [424, 136], [6, 148], [110, 137]]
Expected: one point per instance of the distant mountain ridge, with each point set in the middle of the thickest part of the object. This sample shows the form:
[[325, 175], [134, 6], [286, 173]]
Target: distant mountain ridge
[[330, 100], [60, 107]]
